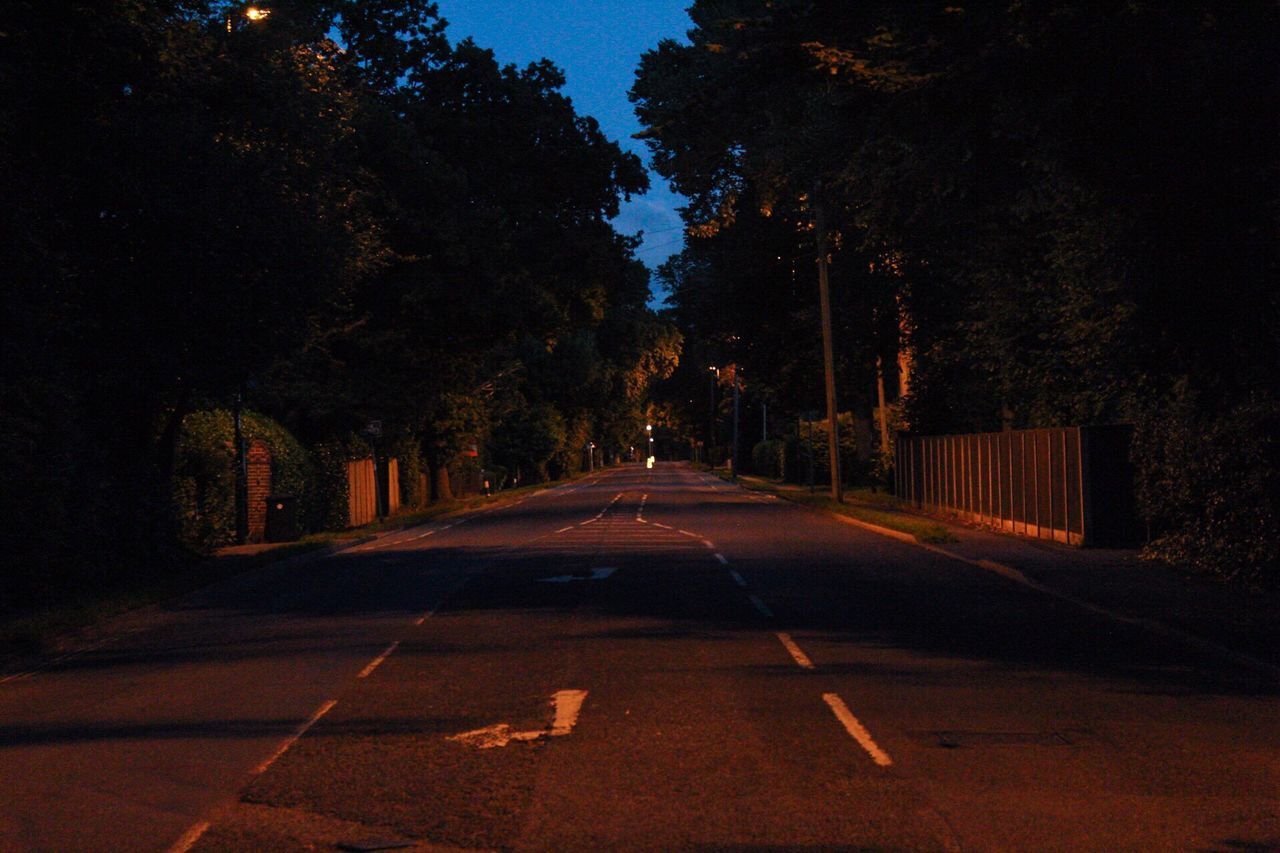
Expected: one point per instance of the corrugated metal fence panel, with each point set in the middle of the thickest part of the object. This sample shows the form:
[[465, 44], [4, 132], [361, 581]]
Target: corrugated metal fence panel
[[362, 494], [1031, 482]]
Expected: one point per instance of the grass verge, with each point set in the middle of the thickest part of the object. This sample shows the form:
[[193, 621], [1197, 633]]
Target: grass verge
[[861, 504], [38, 629]]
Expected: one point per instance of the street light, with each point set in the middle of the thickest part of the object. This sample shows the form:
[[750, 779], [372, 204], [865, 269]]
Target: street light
[[735, 421], [251, 13], [711, 419]]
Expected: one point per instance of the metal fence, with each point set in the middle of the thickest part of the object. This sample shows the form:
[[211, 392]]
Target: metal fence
[[1071, 484]]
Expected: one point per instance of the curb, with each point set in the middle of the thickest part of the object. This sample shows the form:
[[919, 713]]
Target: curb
[[1012, 574]]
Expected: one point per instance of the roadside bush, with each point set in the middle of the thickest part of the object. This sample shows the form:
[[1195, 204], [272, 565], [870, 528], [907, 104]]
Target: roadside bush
[[329, 510], [204, 478], [1207, 486], [798, 450], [768, 458], [408, 455]]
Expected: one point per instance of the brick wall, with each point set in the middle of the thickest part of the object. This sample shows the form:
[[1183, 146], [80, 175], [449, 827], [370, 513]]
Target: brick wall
[[258, 462]]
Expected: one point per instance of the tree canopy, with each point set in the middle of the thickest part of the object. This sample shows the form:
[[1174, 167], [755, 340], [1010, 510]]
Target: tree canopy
[[329, 211], [1054, 213]]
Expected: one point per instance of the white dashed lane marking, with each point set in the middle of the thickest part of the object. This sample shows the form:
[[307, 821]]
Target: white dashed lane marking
[[376, 662], [797, 654], [856, 730], [293, 738]]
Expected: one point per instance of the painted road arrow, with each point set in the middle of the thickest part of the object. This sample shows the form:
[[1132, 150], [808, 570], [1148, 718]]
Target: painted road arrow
[[568, 704]]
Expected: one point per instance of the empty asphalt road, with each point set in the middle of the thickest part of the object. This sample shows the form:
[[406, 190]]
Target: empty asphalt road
[[643, 660]]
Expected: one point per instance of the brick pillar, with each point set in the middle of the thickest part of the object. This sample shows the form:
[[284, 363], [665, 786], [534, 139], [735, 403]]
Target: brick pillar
[[259, 464]]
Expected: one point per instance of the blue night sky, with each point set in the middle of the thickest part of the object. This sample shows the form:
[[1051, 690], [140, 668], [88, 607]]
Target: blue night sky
[[597, 43]]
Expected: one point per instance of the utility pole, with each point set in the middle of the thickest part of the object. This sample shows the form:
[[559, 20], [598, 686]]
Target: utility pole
[[241, 479], [735, 422], [711, 417], [884, 410], [828, 350]]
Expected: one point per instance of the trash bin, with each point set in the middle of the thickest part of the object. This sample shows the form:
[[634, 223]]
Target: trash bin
[[282, 518]]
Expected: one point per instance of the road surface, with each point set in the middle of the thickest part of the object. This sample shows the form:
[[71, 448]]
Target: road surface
[[647, 660]]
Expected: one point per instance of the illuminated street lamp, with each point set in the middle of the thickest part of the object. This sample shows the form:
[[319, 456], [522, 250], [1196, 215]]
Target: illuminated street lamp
[[253, 14]]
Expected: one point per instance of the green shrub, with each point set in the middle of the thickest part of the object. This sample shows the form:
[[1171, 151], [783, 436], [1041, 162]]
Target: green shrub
[[330, 510], [204, 477], [1207, 485], [768, 458], [815, 432]]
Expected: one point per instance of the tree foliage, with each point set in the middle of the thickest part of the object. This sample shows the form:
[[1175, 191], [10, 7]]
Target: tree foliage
[[1062, 213], [331, 213]]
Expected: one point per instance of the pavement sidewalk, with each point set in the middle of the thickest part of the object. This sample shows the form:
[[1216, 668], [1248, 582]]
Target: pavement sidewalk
[[1238, 623]]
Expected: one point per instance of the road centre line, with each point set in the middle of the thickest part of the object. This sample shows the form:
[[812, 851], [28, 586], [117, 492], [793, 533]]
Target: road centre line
[[293, 738], [856, 730], [724, 561], [364, 673], [760, 605], [663, 526], [190, 837], [796, 653], [563, 529], [432, 612], [738, 579], [687, 533]]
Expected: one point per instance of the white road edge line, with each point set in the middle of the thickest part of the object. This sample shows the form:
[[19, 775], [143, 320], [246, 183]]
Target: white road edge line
[[738, 579], [376, 662], [796, 653], [724, 561], [709, 543], [760, 605], [563, 529], [293, 738], [190, 837], [856, 730]]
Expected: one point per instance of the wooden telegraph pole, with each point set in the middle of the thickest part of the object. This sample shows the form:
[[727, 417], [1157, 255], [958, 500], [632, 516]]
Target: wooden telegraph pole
[[828, 351]]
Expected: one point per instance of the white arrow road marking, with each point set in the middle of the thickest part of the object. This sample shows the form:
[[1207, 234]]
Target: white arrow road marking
[[568, 707], [568, 704], [596, 575]]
